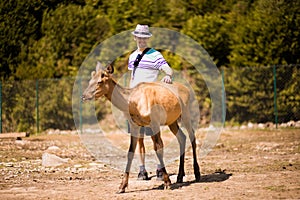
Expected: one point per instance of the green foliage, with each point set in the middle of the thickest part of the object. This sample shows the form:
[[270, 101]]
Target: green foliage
[[250, 93], [249, 86], [125, 14], [65, 44], [50, 39], [18, 25], [55, 104], [262, 38], [288, 93], [211, 32], [266, 34], [18, 106]]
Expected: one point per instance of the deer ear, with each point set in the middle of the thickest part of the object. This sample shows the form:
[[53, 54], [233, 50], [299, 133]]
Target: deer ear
[[98, 66], [110, 69], [93, 73]]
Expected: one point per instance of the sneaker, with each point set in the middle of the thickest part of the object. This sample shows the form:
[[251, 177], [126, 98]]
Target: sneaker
[[159, 174], [143, 175]]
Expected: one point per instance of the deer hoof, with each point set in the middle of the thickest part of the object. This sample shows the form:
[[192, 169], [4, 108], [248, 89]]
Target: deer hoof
[[167, 187], [121, 191], [122, 188]]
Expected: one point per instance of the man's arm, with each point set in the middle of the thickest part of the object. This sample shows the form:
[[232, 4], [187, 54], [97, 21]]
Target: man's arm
[[169, 74]]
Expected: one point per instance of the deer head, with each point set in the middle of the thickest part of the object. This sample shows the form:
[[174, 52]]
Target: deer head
[[99, 82]]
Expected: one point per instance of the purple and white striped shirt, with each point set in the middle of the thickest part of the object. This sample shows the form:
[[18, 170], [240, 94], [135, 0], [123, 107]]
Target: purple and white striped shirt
[[148, 68]]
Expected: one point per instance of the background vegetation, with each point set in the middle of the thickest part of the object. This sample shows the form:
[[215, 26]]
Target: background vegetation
[[46, 39]]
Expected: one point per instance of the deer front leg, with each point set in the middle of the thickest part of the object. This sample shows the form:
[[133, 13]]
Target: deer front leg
[[130, 155], [181, 140], [158, 147]]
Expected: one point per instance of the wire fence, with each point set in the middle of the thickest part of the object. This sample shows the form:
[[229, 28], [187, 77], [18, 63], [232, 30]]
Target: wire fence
[[35, 105], [263, 94], [253, 94]]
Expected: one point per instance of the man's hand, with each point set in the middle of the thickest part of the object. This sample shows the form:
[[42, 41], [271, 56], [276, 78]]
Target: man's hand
[[167, 79]]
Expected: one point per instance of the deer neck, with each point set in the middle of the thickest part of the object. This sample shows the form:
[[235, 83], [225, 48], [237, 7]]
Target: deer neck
[[118, 96]]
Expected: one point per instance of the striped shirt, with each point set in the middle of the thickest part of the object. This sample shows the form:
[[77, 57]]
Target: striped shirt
[[148, 68]]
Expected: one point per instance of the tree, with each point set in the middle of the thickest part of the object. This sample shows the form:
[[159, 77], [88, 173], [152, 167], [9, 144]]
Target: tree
[[267, 35], [211, 32], [20, 23], [69, 32], [18, 106], [125, 15]]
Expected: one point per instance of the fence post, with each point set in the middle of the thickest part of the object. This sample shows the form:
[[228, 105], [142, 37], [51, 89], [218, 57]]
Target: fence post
[[223, 99], [0, 107], [275, 96], [37, 106], [80, 105]]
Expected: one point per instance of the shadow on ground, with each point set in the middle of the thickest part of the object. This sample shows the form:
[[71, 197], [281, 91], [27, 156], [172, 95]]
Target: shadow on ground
[[215, 177]]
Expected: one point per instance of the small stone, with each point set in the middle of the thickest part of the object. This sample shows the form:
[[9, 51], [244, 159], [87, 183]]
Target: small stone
[[78, 166], [53, 148], [8, 164], [50, 160], [98, 165]]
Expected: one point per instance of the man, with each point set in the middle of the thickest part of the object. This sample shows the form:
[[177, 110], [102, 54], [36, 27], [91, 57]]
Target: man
[[145, 66]]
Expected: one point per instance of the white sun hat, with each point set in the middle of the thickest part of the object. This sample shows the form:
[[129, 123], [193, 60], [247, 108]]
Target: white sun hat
[[142, 31]]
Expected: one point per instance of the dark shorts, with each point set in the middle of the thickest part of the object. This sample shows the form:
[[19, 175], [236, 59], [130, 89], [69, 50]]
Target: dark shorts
[[147, 130], [143, 130]]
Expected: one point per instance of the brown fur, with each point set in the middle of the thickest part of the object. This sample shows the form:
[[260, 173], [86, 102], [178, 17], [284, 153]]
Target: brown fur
[[148, 104]]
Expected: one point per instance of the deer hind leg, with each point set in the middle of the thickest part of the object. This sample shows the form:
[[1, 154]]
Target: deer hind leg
[[188, 125], [130, 155], [181, 140], [159, 149]]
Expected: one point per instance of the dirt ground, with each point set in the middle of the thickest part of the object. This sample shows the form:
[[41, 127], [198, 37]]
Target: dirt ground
[[245, 164]]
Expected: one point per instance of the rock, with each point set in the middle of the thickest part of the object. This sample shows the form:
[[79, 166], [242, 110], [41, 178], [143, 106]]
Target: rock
[[51, 160], [21, 142], [93, 164], [243, 127], [61, 132], [270, 125], [250, 125], [261, 126], [53, 148], [78, 166], [9, 164], [283, 125]]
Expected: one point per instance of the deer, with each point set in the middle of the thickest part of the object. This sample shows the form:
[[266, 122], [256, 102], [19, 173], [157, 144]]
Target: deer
[[148, 104]]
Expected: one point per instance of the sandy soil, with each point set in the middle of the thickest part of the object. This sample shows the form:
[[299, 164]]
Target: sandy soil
[[245, 164]]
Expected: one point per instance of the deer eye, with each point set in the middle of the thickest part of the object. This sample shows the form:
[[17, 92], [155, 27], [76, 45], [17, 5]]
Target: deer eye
[[102, 75]]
